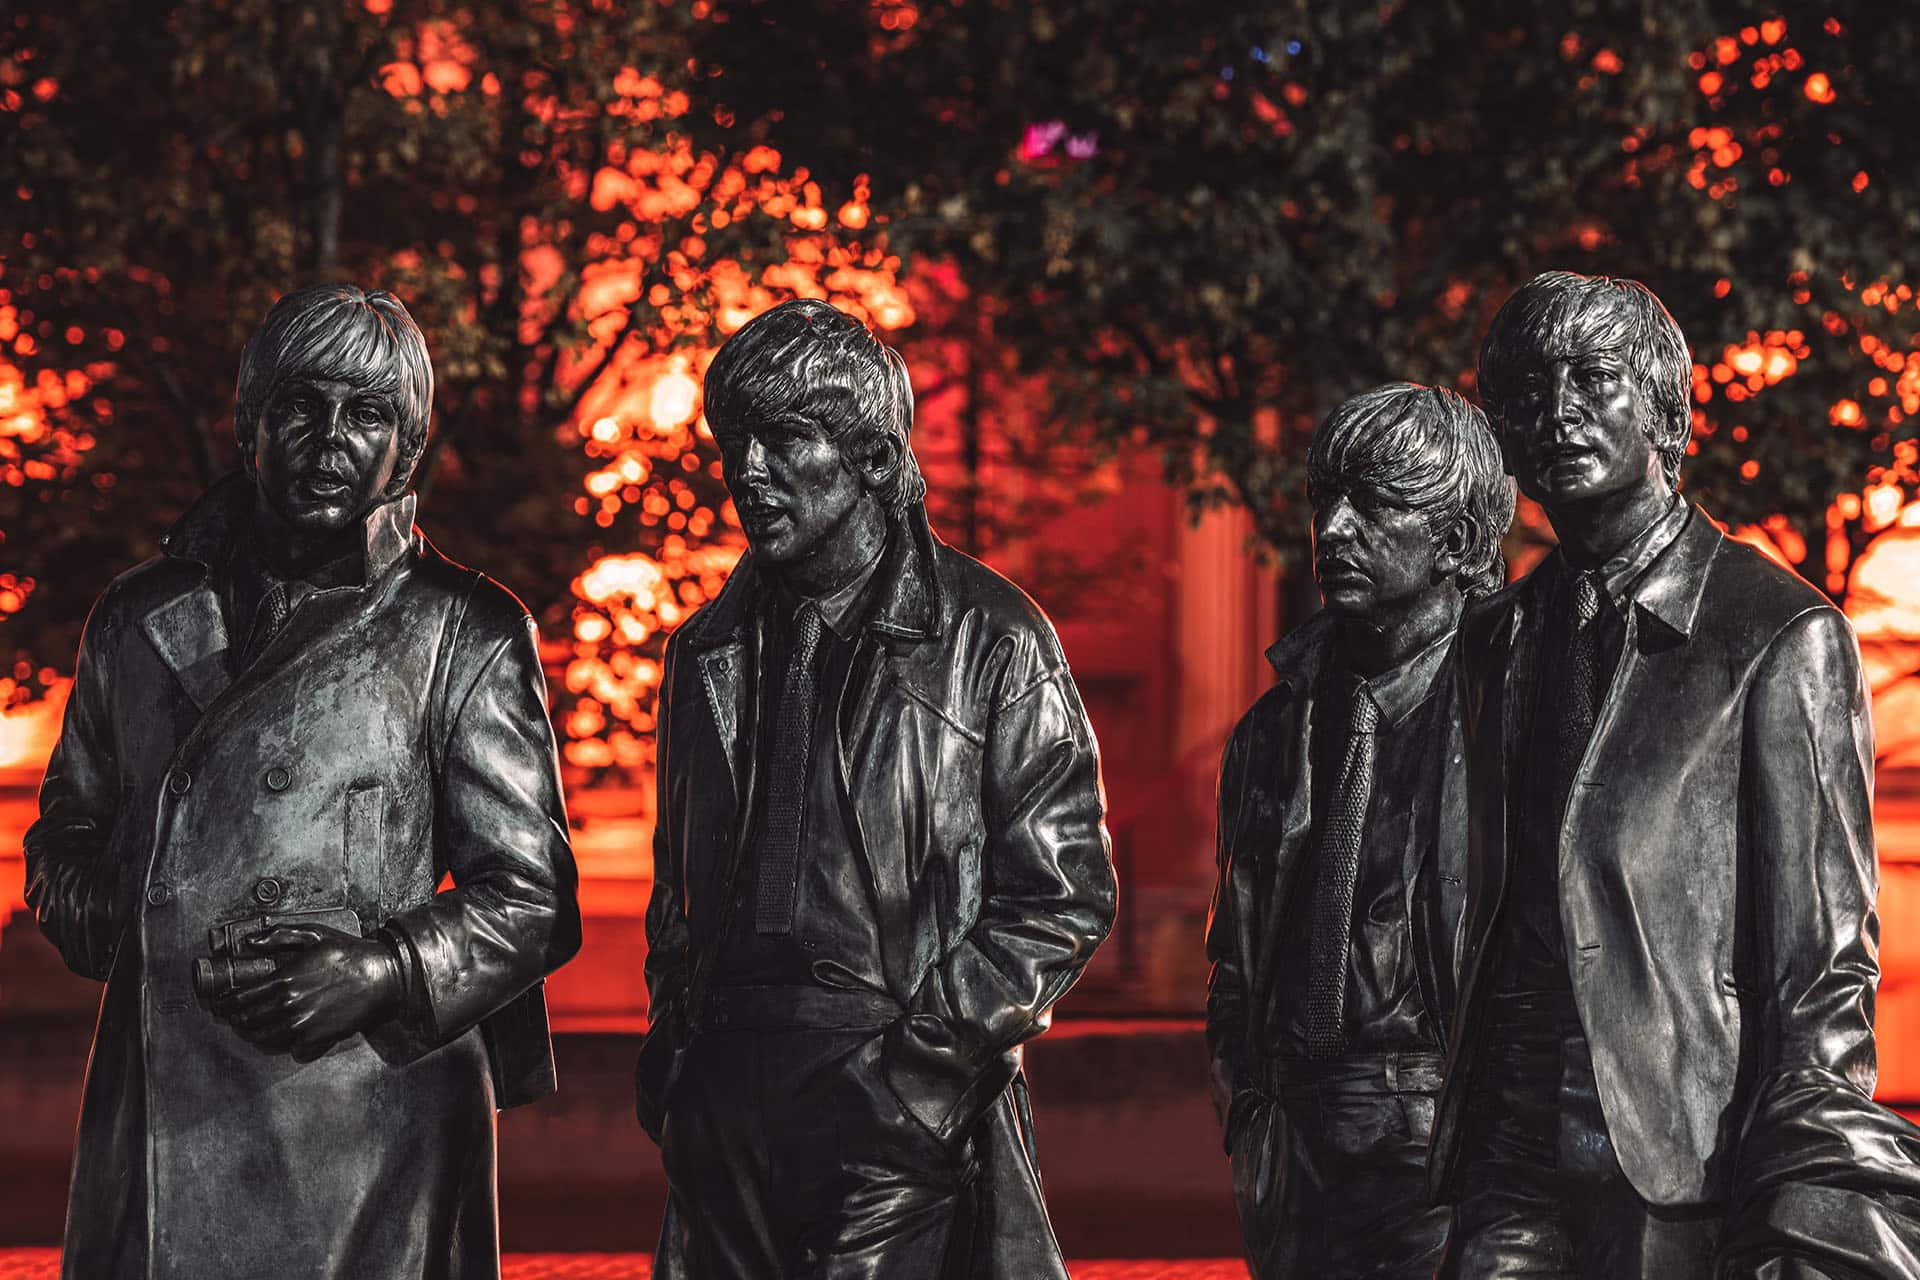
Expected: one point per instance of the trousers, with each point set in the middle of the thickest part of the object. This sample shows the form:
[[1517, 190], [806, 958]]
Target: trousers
[[1329, 1170], [790, 1158], [1542, 1195]]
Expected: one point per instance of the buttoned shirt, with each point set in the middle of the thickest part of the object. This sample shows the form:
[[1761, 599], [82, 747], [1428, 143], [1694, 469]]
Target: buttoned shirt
[[833, 926], [1385, 1011], [1535, 957]]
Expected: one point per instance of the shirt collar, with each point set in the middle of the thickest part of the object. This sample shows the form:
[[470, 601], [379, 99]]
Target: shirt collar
[[844, 609], [1624, 569], [224, 513], [1397, 692]]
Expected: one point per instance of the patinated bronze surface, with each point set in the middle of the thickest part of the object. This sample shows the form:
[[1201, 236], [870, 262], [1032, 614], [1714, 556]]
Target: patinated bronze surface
[[880, 856], [1327, 1107], [284, 731], [1668, 962]]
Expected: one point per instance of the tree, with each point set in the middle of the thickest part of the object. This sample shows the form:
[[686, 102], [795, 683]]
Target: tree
[[1210, 223], [521, 175]]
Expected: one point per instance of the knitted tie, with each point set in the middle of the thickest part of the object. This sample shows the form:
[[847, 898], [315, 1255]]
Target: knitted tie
[[268, 618], [1581, 697], [787, 788], [1337, 864]]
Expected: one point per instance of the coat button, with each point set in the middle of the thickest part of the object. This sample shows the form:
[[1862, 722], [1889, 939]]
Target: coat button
[[178, 781], [159, 894], [268, 892], [278, 778]]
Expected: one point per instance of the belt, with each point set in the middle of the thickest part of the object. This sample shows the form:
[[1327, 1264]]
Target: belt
[[1392, 1072], [795, 1008]]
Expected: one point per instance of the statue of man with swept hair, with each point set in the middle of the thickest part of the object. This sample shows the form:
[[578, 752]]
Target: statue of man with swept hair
[[284, 731], [880, 856], [1665, 1037], [1342, 840]]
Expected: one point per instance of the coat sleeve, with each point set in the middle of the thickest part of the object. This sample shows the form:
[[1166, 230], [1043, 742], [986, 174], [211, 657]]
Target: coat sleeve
[[667, 951], [1807, 812], [1232, 1081], [513, 914], [75, 890], [1047, 900], [667, 931], [1808, 799]]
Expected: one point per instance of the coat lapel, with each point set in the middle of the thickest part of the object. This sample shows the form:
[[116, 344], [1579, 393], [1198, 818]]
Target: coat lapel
[[1297, 660], [189, 632], [1659, 615], [723, 641], [723, 677]]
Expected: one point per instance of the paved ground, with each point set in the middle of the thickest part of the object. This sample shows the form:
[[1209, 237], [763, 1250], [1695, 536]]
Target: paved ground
[[43, 1264]]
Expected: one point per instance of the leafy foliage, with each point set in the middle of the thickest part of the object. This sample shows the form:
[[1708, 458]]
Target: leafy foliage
[[1213, 222]]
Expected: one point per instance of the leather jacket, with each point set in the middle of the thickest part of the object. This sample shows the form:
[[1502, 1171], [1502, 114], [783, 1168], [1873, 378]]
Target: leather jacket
[[1265, 835], [971, 784], [1716, 863]]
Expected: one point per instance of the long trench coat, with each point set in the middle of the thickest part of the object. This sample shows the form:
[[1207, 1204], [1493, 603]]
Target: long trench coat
[[394, 731], [971, 782]]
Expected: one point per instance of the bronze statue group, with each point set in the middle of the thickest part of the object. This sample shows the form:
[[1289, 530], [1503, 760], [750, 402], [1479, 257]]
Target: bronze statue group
[[1543, 944]]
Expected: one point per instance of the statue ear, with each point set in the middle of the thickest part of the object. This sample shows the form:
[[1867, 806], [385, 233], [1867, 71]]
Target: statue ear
[[1453, 545], [880, 463], [243, 436]]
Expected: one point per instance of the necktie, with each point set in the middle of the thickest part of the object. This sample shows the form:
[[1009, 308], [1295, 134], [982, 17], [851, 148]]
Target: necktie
[[787, 787], [1581, 697], [1337, 864], [268, 618]]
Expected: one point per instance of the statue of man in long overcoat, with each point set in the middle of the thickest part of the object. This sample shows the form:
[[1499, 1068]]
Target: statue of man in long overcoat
[[284, 730]]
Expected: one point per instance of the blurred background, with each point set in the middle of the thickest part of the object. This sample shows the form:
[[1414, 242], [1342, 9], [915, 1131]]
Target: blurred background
[[1132, 253]]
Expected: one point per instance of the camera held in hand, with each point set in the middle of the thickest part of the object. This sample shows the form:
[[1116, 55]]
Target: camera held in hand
[[234, 963]]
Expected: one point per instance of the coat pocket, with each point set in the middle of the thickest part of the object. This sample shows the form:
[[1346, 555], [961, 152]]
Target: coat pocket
[[362, 864]]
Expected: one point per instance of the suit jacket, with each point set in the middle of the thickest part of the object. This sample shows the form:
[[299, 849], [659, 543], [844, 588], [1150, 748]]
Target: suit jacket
[[1265, 835], [393, 732], [970, 787], [1716, 867]]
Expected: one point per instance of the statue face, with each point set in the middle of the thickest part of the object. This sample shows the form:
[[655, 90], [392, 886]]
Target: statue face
[[1572, 432], [323, 452], [1373, 559], [793, 485]]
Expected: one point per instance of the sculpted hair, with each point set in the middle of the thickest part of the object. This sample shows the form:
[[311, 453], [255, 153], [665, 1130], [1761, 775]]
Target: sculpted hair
[[1427, 449], [1560, 312], [341, 332], [805, 358]]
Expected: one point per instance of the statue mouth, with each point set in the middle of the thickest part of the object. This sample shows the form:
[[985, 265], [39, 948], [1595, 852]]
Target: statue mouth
[[324, 484], [755, 511], [1328, 571]]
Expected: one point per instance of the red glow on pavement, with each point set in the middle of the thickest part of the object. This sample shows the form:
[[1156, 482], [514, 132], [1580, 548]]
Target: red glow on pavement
[[44, 1264]]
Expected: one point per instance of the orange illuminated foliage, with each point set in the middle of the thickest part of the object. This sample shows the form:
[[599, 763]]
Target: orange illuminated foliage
[[655, 304]]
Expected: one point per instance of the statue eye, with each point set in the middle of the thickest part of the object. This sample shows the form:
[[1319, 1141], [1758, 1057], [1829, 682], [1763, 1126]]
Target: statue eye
[[300, 404]]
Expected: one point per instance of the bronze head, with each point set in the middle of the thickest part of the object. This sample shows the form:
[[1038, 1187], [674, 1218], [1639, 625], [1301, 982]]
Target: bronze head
[[1589, 382], [812, 414], [1408, 492], [334, 396]]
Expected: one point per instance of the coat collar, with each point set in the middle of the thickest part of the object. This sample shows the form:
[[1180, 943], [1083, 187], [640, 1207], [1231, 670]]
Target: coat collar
[[188, 629], [904, 596], [209, 526], [1302, 656], [1669, 591], [1299, 656]]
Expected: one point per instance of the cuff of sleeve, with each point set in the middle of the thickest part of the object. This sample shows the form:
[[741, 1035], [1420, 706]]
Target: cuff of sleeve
[[416, 1013]]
